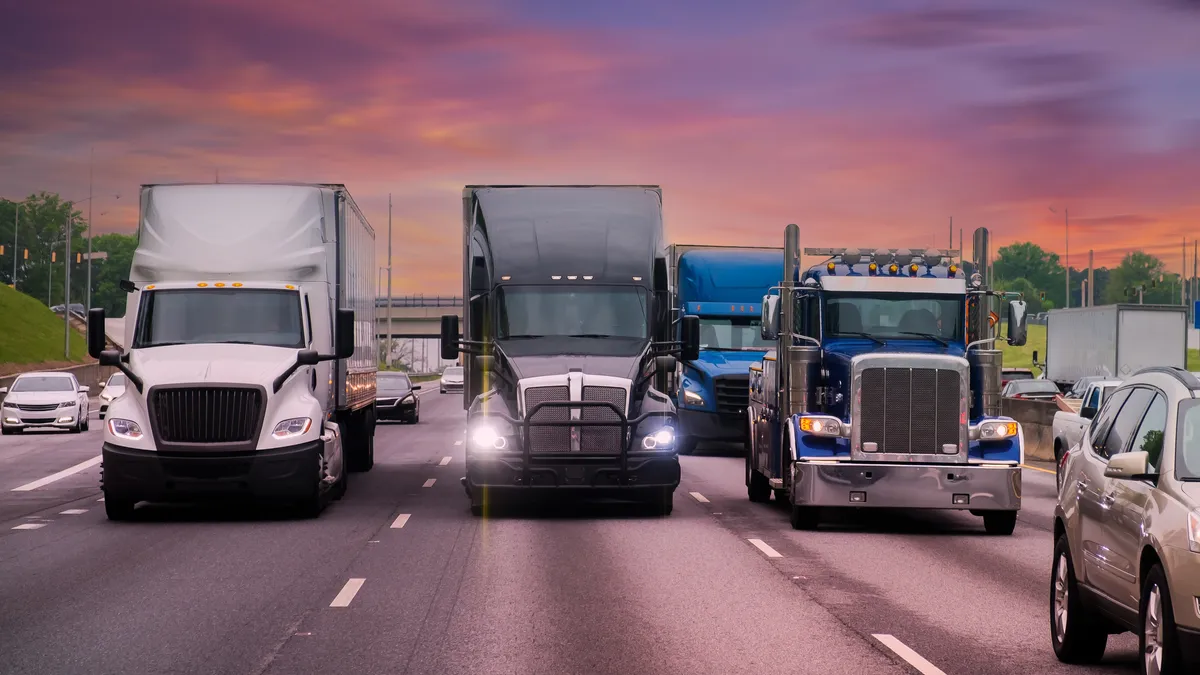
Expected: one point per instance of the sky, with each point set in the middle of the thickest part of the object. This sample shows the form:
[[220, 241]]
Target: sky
[[869, 123]]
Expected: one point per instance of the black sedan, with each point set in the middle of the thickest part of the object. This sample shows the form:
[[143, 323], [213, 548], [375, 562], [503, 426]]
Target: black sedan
[[396, 398]]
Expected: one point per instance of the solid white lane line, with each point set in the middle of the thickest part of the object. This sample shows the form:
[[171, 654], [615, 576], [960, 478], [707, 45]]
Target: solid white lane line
[[914, 659], [72, 512], [762, 546], [430, 482], [400, 520], [347, 593], [58, 476], [445, 461], [29, 526], [699, 497], [458, 442]]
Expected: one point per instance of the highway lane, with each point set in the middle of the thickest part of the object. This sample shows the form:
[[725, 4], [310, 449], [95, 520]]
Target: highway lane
[[399, 577]]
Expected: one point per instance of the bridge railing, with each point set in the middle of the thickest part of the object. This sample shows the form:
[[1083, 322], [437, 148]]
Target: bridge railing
[[421, 301]]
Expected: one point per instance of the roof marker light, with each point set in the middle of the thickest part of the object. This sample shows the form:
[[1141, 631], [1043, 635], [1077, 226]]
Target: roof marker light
[[893, 268], [150, 287], [237, 284], [913, 269], [202, 285], [953, 270], [588, 277], [219, 285], [505, 278], [830, 267], [572, 277], [872, 268], [556, 277], [290, 287], [637, 278]]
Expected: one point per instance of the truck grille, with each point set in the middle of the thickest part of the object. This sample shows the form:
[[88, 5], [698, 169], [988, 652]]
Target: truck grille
[[206, 414], [733, 393], [605, 440], [557, 440], [543, 440], [910, 410]]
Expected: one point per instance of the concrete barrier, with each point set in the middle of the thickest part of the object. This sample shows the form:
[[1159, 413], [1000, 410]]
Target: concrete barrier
[[1037, 423], [91, 375]]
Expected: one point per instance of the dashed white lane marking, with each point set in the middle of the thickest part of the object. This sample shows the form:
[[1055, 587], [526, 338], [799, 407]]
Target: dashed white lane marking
[[458, 442], [347, 593], [699, 497], [914, 659], [72, 512], [400, 520], [29, 526], [101, 499], [58, 476], [765, 548], [445, 461], [430, 482]]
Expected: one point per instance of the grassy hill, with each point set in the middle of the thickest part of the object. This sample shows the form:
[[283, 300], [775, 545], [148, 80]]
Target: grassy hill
[[32, 334], [1022, 357]]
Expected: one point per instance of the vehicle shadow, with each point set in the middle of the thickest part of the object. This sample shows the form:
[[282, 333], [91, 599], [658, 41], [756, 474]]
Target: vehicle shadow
[[945, 522], [567, 507]]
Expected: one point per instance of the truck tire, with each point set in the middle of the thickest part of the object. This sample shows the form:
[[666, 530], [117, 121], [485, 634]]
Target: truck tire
[[758, 488], [343, 482], [359, 438], [806, 517], [1001, 523], [312, 502], [664, 502]]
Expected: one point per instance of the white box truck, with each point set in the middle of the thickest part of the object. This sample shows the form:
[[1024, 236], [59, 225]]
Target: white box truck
[[1113, 341], [250, 348]]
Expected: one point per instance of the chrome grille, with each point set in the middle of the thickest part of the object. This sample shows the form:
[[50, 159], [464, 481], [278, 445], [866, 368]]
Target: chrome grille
[[602, 439], [910, 410], [733, 393], [206, 414], [544, 440]]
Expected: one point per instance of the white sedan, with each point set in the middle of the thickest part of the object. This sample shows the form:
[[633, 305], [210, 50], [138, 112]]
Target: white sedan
[[452, 379], [44, 401], [112, 389]]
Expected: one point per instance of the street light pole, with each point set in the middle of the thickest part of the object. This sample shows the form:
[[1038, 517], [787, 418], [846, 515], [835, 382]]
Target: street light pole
[[1066, 253], [67, 291], [16, 224], [91, 165]]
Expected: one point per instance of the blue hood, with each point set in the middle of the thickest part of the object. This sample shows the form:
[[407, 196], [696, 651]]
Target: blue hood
[[714, 362]]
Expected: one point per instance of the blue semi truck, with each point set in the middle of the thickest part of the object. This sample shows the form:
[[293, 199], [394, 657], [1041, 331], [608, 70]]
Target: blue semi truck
[[883, 389], [723, 286]]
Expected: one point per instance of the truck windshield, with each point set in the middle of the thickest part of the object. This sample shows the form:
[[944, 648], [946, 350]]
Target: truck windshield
[[894, 316], [726, 334], [571, 311], [253, 316]]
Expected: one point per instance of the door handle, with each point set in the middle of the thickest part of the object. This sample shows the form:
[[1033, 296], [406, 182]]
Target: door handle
[[1107, 500], [1082, 485]]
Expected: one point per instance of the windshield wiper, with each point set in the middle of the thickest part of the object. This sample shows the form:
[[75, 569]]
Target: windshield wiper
[[522, 337], [591, 335], [861, 334], [164, 344], [928, 336]]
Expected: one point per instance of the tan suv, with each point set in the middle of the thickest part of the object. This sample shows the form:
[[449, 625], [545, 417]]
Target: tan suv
[[1127, 529]]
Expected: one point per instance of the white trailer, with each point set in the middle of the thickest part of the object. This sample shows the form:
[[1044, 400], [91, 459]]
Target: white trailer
[[250, 347], [1113, 341]]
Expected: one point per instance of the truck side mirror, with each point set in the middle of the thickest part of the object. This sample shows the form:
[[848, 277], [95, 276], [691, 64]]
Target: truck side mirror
[[450, 337], [1088, 412], [308, 357], [769, 320], [95, 332], [344, 334], [690, 328], [486, 363], [1017, 328]]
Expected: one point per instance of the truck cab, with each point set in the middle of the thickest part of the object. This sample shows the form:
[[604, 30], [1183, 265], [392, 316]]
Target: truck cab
[[881, 391], [723, 287]]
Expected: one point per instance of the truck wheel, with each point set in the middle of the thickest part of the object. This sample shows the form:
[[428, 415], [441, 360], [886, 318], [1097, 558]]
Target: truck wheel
[[664, 502], [343, 482], [1000, 522], [758, 488], [359, 444], [1074, 634], [118, 509], [806, 517]]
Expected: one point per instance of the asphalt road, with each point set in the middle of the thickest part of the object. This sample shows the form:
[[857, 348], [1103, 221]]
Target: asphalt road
[[398, 577]]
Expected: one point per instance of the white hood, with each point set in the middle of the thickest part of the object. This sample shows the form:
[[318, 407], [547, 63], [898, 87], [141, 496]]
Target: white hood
[[211, 364], [41, 397]]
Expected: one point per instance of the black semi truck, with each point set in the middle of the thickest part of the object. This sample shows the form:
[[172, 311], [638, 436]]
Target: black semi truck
[[568, 344]]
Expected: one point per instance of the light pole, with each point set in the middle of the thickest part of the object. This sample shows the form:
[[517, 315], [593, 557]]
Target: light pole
[[1066, 253]]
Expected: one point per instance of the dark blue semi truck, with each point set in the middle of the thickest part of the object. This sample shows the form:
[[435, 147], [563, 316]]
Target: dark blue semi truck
[[724, 287]]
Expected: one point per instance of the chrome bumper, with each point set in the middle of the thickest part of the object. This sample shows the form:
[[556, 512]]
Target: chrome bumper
[[907, 486]]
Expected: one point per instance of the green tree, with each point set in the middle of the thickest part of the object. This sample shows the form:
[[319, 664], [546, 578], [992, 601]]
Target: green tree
[[1041, 268], [108, 273], [1032, 294], [1139, 268], [41, 228]]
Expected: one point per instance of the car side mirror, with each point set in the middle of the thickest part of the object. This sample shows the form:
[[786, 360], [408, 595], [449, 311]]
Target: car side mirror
[[344, 334], [690, 349], [308, 357], [1128, 466], [1017, 328], [449, 337], [84, 390], [3, 390], [769, 320], [1088, 412], [416, 387], [95, 332]]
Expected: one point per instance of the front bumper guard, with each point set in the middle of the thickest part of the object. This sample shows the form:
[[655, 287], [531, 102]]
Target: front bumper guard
[[917, 486]]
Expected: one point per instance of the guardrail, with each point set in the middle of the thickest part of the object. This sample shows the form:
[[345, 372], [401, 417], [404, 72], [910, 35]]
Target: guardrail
[[421, 301]]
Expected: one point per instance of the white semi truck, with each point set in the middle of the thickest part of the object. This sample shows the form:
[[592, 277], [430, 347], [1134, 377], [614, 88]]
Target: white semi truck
[[251, 348], [1113, 341]]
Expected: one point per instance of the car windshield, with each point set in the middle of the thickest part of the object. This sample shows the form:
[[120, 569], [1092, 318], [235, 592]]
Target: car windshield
[[1187, 440], [265, 317], [456, 370], [571, 311], [117, 380], [36, 383], [894, 316], [732, 334], [1033, 387], [393, 384]]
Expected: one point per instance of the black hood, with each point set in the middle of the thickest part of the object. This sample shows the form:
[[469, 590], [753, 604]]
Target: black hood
[[538, 366], [614, 357]]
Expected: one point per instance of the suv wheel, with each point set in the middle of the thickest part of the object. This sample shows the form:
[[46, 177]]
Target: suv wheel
[[1159, 641], [1075, 635]]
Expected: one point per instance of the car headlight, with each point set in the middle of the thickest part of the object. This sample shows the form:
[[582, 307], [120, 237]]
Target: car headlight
[[484, 437], [296, 426], [6, 404], [408, 399], [997, 430], [68, 404], [125, 429], [823, 425], [663, 439], [1194, 531], [692, 397]]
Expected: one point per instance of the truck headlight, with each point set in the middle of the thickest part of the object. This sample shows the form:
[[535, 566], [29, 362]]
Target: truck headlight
[[997, 430], [821, 425], [1194, 531], [124, 429], [692, 397], [663, 439], [296, 426], [484, 437]]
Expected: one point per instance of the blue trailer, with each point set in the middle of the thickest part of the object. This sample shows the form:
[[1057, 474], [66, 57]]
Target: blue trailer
[[723, 286], [883, 389]]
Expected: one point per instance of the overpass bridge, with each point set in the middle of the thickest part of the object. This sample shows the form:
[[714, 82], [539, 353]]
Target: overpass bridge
[[415, 316]]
